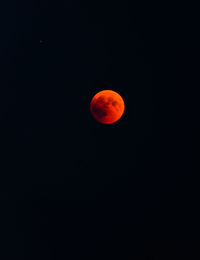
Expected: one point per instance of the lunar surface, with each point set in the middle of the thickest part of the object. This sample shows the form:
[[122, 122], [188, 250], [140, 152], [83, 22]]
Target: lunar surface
[[107, 106]]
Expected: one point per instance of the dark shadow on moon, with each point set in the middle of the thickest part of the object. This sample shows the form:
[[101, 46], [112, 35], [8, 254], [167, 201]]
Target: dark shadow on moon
[[99, 108]]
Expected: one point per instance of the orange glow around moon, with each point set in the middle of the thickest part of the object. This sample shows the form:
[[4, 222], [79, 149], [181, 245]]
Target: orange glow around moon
[[107, 106]]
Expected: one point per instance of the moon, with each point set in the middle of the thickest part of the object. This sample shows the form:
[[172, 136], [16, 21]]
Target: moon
[[107, 106]]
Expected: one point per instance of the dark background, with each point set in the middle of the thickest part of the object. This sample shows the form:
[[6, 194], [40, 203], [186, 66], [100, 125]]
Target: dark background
[[72, 188]]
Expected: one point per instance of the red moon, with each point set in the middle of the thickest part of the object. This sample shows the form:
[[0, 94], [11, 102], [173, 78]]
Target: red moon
[[107, 106]]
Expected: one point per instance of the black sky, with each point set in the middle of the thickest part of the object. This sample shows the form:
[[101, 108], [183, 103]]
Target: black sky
[[72, 188]]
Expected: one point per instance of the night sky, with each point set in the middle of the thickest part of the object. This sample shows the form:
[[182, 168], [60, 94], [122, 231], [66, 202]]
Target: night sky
[[71, 187]]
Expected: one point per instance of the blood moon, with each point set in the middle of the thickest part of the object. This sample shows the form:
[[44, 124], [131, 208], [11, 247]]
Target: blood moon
[[107, 106]]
